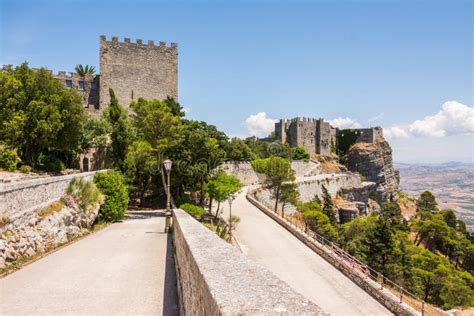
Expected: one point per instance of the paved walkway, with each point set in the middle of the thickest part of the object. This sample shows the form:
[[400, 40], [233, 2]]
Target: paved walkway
[[127, 268], [265, 241]]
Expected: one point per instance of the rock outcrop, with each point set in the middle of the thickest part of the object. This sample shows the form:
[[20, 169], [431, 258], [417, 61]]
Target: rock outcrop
[[374, 162], [36, 231]]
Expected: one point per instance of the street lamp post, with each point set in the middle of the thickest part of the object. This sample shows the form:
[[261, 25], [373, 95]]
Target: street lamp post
[[167, 164], [230, 200]]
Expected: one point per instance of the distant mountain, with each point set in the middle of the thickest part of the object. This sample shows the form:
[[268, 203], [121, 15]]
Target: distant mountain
[[452, 183]]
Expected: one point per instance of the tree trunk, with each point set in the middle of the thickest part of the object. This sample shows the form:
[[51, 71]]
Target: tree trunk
[[217, 211], [283, 209], [201, 201], [210, 205], [277, 196]]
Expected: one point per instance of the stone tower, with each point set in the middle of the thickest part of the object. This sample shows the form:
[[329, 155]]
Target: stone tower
[[136, 70]]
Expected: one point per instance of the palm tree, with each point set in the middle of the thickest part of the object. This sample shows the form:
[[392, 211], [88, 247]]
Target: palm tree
[[85, 71]]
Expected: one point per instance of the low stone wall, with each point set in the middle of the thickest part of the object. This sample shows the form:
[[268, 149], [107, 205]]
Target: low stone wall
[[32, 219], [25, 196], [311, 186], [216, 279], [385, 297]]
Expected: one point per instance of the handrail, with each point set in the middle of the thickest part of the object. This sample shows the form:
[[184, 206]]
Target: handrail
[[355, 264]]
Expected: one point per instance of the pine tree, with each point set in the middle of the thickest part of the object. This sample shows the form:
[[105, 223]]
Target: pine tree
[[328, 207]]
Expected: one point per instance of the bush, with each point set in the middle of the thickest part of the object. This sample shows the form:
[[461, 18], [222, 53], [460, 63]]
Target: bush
[[25, 169], [112, 185], [192, 210], [50, 163], [85, 193], [8, 159]]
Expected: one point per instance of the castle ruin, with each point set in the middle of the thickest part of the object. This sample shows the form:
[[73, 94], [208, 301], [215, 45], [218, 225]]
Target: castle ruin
[[131, 69], [317, 136]]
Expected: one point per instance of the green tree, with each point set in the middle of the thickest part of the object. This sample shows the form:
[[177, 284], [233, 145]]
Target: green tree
[[299, 153], [39, 115], [289, 194], [277, 170], [140, 164], [85, 71], [328, 206], [238, 150], [122, 131], [427, 202], [317, 221], [112, 185], [221, 188], [380, 245]]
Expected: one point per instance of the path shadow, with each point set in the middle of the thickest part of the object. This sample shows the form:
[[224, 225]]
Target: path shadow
[[132, 215], [170, 293]]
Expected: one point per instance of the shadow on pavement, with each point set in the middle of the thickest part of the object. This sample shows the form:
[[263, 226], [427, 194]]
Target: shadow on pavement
[[170, 294], [132, 215]]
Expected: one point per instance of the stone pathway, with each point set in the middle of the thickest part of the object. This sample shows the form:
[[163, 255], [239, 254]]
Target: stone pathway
[[127, 268], [265, 241]]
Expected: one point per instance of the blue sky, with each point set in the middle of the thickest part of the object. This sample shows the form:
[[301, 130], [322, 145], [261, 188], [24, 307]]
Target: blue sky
[[387, 63]]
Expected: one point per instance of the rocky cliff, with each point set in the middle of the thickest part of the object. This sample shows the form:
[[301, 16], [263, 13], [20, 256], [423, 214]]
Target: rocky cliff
[[374, 162]]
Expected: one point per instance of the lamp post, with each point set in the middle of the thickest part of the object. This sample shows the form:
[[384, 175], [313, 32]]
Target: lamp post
[[167, 164], [230, 200]]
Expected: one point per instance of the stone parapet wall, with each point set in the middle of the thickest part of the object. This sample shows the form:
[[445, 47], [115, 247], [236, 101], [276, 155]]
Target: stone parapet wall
[[17, 198], [216, 279], [311, 186]]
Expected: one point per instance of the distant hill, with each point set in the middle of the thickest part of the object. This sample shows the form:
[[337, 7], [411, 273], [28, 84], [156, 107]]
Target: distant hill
[[452, 183]]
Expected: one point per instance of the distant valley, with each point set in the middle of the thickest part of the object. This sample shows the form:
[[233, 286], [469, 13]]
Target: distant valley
[[452, 183]]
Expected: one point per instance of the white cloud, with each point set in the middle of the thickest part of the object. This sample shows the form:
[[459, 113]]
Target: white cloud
[[375, 118], [259, 124], [395, 132], [454, 118], [344, 122], [187, 110]]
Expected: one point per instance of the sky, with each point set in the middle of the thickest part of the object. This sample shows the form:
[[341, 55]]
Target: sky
[[404, 65]]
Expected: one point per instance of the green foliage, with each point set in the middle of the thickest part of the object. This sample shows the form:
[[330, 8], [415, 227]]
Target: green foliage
[[277, 170], [84, 192], [262, 149], [39, 115], [25, 169], [193, 210], [221, 187], [140, 164], [84, 71], [49, 162], [426, 202], [238, 150], [289, 194], [299, 153], [122, 133], [175, 108], [345, 139], [328, 206], [95, 132], [8, 158], [317, 221], [113, 187]]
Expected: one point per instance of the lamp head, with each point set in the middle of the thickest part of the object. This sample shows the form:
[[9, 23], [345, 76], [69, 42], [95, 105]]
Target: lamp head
[[167, 163]]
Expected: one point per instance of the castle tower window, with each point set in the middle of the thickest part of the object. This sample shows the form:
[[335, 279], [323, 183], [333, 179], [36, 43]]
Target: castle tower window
[[93, 86], [68, 83], [81, 85]]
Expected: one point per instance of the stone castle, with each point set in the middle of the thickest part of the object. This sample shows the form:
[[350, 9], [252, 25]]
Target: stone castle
[[132, 70], [318, 136]]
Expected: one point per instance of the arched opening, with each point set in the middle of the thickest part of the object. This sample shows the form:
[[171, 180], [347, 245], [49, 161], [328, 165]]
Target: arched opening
[[85, 164]]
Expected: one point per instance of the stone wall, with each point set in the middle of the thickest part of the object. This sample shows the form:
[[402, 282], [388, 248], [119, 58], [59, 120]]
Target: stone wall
[[214, 278], [136, 70], [25, 196], [32, 219], [311, 186]]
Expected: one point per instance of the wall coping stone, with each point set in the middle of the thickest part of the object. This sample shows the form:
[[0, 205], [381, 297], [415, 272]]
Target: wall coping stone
[[227, 282]]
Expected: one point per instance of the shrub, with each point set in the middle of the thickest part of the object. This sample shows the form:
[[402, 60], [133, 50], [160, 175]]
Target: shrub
[[192, 210], [85, 193], [112, 185], [25, 169], [50, 163], [8, 159], [51, 209]]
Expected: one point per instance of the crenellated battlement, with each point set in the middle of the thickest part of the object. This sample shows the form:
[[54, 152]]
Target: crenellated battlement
[[138, 42]]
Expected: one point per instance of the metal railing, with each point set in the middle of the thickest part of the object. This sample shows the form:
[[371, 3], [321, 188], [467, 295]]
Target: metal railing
[[369, 275]]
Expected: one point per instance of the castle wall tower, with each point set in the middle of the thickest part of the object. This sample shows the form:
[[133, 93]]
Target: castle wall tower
[[136, 70]]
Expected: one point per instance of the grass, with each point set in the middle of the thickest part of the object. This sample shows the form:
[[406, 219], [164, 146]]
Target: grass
[[51, 209], [24, 260]]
